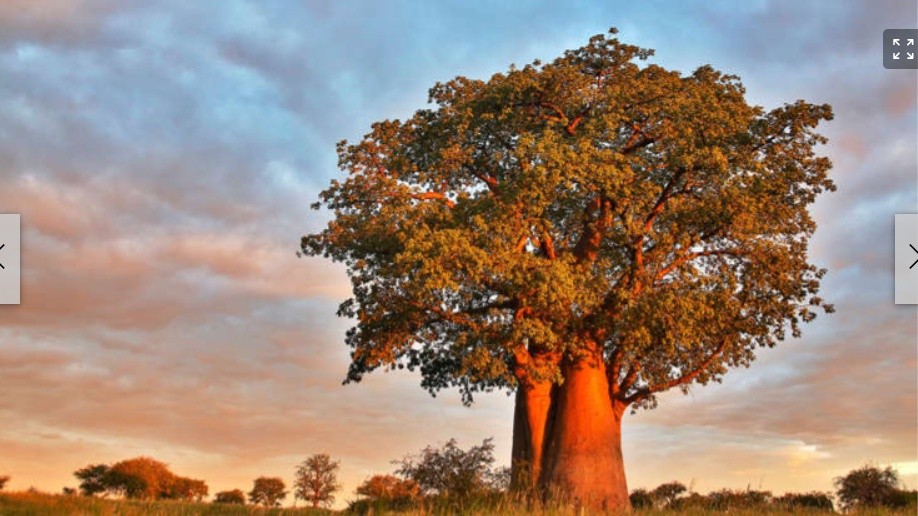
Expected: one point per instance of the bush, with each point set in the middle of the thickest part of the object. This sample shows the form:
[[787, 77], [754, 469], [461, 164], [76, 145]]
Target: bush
[[452, 472], [902, 499], [868, 486], [641, 499], [811, 500], [236, 496], [390, 488], [3, 480], [725, 500]]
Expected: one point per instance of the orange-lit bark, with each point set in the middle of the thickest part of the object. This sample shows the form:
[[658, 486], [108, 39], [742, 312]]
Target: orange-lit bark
[[533, 403], [583, 454]]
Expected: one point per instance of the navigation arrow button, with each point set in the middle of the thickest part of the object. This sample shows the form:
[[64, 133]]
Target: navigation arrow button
[[896, 41], [911, 41], [916, 260]]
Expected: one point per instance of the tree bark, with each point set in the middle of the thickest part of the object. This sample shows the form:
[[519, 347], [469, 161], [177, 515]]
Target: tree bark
[[530, 416], [583, 462]]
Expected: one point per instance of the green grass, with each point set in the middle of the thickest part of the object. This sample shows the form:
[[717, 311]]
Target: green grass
[[14, 504]]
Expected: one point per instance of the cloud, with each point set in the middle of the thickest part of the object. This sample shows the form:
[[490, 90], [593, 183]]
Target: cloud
[[163, 157]]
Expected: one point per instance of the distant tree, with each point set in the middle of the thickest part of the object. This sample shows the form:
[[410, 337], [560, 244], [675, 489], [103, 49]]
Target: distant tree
[[140, 477], [69, 491], [317, 480], [665, 494], [236, 496], [268, 491], [641, 499], [182, 488], [868, 486], [451, 471], [92, 479], [3, 480], [811, 500], [389, 488]]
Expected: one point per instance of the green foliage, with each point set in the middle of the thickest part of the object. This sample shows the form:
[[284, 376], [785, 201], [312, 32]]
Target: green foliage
[[236, 496], [268, 491], [452, 472], [587, 205], [92, 479], [317, 480], [868, 486]]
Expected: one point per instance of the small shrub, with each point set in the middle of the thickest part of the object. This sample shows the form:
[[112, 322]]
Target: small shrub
[[236, 496], [641, 499], [811, 500]]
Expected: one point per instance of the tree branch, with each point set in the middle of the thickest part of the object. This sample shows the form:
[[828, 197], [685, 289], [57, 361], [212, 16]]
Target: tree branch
[[434, 195], [678, 262], [681, 380], [548, 246], [572, 126]]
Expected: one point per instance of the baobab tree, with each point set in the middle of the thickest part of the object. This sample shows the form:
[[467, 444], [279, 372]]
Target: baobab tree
[[588, 233]]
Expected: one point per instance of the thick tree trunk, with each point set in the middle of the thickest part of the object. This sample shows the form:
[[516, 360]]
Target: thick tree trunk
[[533, 402], [583, 457]]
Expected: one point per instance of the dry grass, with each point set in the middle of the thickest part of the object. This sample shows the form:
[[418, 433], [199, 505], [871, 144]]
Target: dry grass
[[23, 503], [15, 504]]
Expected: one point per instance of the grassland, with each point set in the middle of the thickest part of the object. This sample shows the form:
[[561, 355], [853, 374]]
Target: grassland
[[15, 504]]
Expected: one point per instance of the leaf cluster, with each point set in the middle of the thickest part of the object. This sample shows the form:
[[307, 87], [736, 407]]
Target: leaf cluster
[[593, 202]]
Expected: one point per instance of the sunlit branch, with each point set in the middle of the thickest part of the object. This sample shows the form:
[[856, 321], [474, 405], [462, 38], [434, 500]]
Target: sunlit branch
[[679, 262], [680, 380], [434, 195]]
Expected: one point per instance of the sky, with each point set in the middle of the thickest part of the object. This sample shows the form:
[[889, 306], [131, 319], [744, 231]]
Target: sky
[[164, 154]]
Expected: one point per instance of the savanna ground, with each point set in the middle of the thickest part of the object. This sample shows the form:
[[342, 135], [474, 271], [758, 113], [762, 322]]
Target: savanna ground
[[24, 503]]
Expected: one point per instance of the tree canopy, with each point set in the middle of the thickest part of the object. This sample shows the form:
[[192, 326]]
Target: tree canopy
[[451, 472], [316, 480], [591, 204], [235, 496], [268, 491], [868, 486], [140, 477]]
